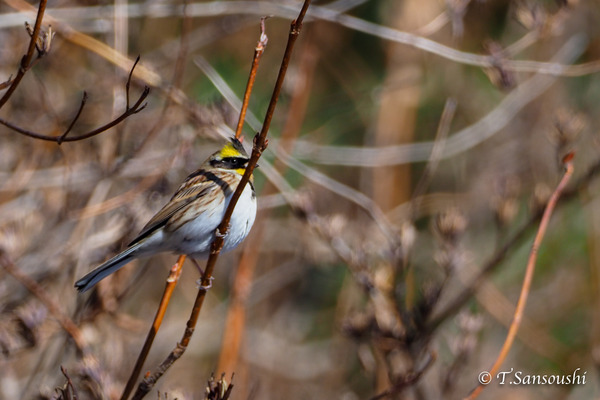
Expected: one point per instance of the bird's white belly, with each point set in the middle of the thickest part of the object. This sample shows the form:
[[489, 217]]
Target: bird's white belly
[[195, 237]]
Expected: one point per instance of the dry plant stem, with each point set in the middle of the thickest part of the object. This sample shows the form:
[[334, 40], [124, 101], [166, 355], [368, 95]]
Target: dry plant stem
[[26, 60], [518, 316], [260, 47], [260, 143], [236, 315], [436, 151], [258, 52], [70, 385], [461, 299], [129, 111], [172, 280]]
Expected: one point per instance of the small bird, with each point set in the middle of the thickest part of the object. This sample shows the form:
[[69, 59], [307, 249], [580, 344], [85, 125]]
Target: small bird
[[187, 223]]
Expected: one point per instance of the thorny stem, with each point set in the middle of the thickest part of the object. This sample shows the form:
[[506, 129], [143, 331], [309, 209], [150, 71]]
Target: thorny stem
[[26, 60], [258, 52], [260, 144], [518, 316]]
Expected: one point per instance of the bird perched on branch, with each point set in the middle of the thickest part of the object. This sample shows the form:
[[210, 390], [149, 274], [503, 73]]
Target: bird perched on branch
[[187, 224]]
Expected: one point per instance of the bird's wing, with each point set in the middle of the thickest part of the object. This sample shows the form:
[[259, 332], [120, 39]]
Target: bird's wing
[[199, 184]]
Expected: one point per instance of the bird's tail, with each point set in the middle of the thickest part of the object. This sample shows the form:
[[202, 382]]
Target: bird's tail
[[102, 271]]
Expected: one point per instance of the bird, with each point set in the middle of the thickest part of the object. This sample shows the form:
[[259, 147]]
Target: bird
[[187, 224]]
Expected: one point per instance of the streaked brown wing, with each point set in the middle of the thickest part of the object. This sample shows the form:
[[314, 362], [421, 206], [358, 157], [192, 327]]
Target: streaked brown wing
[[194, 187]]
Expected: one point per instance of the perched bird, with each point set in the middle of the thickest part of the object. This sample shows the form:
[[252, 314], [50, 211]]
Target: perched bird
[[188, 222]]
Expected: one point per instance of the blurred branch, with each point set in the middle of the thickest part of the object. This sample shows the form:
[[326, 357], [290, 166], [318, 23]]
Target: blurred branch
[[461, 299], [319, 178], [38, 291], [345, 191], [436, 152], [28, 57], [129, 111], [457, 143], [260, 143], [326, 13], [528, 279]]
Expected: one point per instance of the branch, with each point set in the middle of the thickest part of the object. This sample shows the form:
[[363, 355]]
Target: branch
[[518, 316], [258, 52], [260, 143], [129, 111], [172, 280], [26, 60]]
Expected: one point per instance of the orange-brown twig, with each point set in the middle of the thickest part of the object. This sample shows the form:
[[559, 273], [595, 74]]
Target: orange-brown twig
[[258, 52], [172, 280], [518, 316], [260, 144], [236, 318]]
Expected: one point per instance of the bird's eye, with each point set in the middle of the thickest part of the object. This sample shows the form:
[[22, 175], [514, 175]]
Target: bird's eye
[[234, 162]]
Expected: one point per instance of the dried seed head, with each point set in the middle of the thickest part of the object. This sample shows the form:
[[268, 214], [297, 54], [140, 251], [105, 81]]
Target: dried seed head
[[507, 210], [500, 77], [450, 224], [541, 195], [531, 16], [504, 201]]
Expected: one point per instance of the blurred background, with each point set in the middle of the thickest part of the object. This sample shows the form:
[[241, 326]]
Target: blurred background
[[412, 151]]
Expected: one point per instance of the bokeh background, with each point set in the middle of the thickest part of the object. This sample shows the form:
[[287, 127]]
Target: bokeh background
[[377, 214]]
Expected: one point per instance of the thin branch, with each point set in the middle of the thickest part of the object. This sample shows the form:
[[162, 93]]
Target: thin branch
[[129, 111], [260, 143], [518, 316], [326, 13], [235, 321], [436, 151], [6, 83], [64, 135], [171, 282], [315, 176], [258, 52], [70, 385], [26, 60]]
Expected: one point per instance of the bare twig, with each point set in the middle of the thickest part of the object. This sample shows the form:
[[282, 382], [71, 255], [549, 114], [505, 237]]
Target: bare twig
[[258, 52], [172, 280], [260, 143], [129, 111], [235, 321], [26, 60], [518, 316], [6, 83], [70, 388], [83, 101], [436, 151]]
